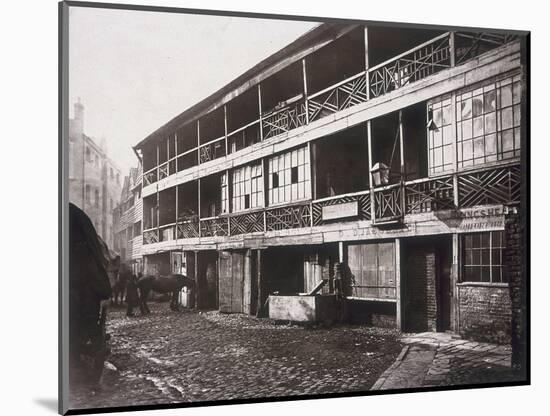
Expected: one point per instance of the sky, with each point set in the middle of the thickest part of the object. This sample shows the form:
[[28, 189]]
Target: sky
[[134, 71]]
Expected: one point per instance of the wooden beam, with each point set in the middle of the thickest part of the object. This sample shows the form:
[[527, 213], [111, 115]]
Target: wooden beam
[[455, 272], [371, 185], [366, 39], [304, 76], [260, 112], [398, 284], [259, 283], [225, 129], [198, 142], [196, 279], [312, 150], [340, 252]]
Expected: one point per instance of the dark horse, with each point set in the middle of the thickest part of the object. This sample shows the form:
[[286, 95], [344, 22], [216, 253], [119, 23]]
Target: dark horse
[[119, 285], [172, 283], [90, 263]]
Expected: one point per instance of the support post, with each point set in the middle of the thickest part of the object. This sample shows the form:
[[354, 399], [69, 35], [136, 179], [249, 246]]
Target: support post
[[366, 37], [225, 129], [340, 252], [198, 142], [452, 48], [312, 151], [304, 76], [455, 270], [199, 205], [402, 161], [259, 287], [371, 185], [260, 112], [176, 230], [398, 284], [197, 279]]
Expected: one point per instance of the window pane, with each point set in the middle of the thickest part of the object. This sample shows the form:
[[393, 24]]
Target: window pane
[[447, 115], [447, 134], [478, 105], [438, 117], [516, 92], [506, 120], [479, 147], [490, 101], [490, 123], [506, 95], [466, 108], [507, 140], [467, 129], [485, 256], [490, 144], [517, 115], [471, 274], [485, 274], [478, 126]]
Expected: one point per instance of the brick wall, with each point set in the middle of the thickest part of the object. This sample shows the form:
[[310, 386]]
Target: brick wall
[[484, 313], [418, 283], [514, 259]]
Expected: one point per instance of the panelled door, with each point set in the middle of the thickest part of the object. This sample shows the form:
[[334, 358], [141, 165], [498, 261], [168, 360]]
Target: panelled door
[[231, 284], [373, 268]]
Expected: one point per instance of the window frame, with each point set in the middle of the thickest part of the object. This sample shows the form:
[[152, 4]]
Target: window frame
[[477, 252]]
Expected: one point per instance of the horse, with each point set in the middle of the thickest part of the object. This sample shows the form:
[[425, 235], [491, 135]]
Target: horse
[[90, 263], [172, 283], [119, 285]]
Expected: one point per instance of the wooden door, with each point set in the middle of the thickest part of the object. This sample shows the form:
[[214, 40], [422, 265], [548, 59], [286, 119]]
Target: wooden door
[[373, 269], [225, 281]]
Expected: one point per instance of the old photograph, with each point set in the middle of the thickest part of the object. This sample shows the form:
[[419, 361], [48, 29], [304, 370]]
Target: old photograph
[[265, 207]]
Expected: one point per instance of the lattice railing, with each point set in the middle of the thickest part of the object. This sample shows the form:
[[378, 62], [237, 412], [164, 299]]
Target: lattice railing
[[285, 119], [388, 203], [212, 150], [163, 171], [414, 65], [363, 201], [429, 195], [151, 236], [493, 186], [469, 45], [150, 177], [188, 229], [284, 218], [247, 223], [351, 91], [215, 227]]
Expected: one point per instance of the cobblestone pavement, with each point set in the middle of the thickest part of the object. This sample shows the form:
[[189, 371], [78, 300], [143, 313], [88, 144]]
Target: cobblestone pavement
[[175, 357], [440, 359]]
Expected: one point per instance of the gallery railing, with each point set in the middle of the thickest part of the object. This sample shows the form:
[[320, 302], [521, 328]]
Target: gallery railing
[[437, 54], [338, 97], [484, 186], [284, 119]]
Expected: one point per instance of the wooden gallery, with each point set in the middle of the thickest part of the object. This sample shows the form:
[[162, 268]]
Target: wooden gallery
[[365, 173]]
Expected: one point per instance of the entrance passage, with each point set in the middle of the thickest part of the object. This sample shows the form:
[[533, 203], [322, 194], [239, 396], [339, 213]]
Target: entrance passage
[[426, 291]]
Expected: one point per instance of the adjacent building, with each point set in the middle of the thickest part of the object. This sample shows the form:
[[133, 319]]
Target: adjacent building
[[127, 219], [377, 165], [94, 179]]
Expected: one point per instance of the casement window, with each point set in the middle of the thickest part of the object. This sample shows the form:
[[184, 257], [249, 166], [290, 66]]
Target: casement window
[[488, 122], [248, 188], [289, 177], [224, 194], [440, 136], [482, 257]]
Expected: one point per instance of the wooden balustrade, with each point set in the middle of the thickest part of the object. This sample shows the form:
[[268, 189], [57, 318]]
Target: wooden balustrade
[[485, 186], [284, 119], [338, 97]]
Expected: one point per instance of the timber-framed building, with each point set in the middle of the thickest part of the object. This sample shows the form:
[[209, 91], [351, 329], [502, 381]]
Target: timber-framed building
[[377, 165]]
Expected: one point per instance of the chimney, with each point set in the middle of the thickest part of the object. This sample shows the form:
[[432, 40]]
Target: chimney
[[79, 112]]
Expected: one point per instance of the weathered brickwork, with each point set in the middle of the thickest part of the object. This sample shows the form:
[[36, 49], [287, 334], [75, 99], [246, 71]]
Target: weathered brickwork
[[484, 313], [419, 289], [513, 258]]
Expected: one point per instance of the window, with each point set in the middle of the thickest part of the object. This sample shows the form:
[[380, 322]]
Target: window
[[248, 187], [87, 193], [289, 177], [96, 198], [137, 228], [482, 254], [440, 136], [224, 194], [488, 122]]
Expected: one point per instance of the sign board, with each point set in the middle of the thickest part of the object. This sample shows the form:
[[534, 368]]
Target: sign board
[[344, 210]]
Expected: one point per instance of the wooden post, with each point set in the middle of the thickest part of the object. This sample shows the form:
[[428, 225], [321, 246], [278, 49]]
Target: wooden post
[[371, 185], [398, 284], [340, 252], [259, 281], [176, 230], [225, 128], [304, 76], [312, 151], [455, 275], [260, 112], [198, 142], [366, 37], [452, 48], [402, 162], [199, 204], [197, 279], [455, 148], [176, 150]]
